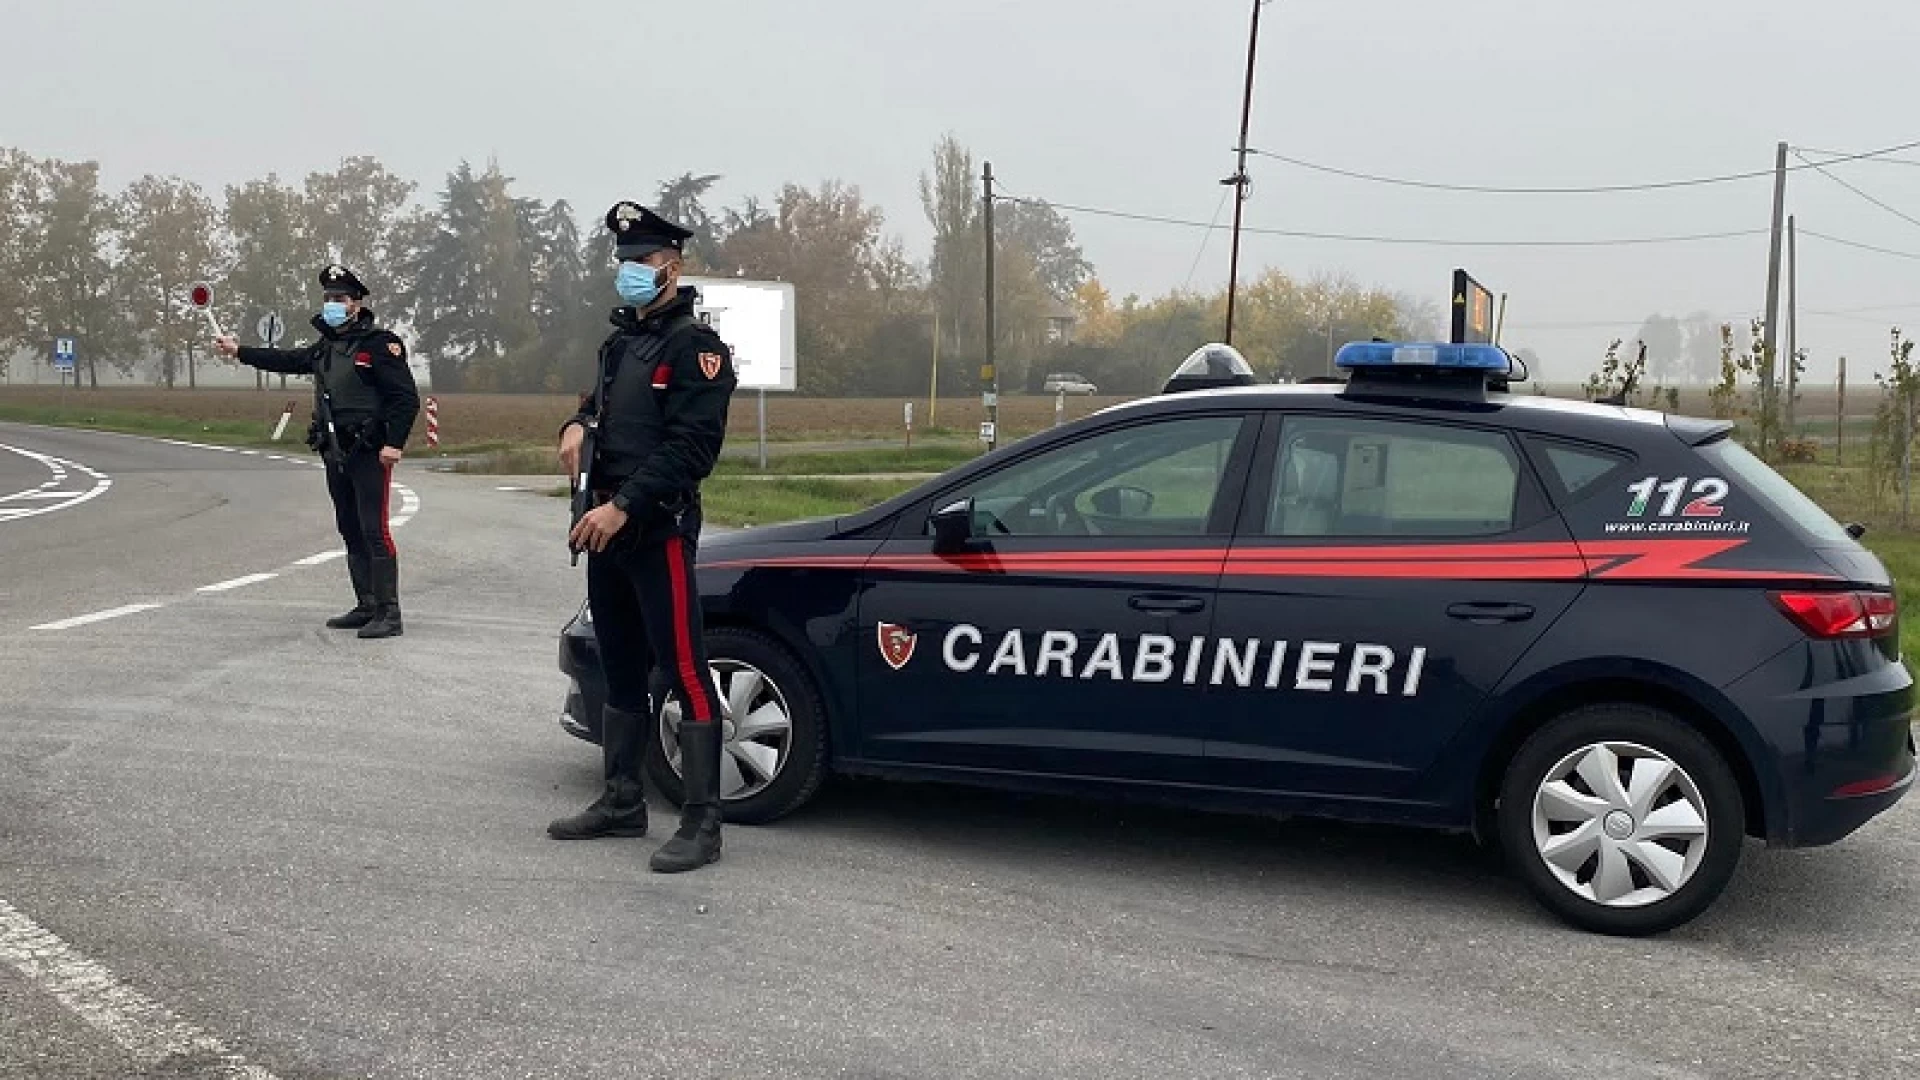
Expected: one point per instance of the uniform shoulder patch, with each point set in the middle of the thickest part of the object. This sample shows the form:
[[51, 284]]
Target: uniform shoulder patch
[[711, 363], [396, 348]]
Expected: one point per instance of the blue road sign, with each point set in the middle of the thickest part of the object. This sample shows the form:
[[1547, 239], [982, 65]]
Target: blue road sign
[[63, 353]]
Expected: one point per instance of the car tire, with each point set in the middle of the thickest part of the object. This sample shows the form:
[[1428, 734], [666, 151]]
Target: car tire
[[803, 764], [1673, 816]]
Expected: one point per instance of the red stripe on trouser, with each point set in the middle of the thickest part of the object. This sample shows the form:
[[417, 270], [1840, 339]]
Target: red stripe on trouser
[[386, 508], [691, 683]]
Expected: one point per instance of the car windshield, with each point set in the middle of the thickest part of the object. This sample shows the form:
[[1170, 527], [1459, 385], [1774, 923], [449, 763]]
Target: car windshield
[[1760, 480]]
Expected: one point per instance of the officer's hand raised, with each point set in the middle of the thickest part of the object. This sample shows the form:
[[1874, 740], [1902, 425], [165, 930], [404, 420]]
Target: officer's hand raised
[[227, 345]]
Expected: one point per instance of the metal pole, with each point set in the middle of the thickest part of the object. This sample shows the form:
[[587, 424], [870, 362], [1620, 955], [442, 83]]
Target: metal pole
[[992, 372], [1239, 177], [1769, 337], [933, 391], [1793, 324], [763, 430], [1840, 421]]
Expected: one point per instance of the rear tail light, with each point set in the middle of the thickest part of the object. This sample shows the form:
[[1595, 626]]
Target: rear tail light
[[1832, 615]]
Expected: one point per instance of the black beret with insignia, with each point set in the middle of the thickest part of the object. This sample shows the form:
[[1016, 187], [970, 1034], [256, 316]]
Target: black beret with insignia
[[338, 279], [639, 232]]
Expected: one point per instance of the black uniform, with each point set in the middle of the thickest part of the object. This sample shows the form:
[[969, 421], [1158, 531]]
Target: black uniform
[[362, 372], [660, 413]]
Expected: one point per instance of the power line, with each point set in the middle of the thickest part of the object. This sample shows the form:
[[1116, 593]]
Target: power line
[[1909, 162], [1592, 189], [1861, 246], [1909, 218], [1301, 234]]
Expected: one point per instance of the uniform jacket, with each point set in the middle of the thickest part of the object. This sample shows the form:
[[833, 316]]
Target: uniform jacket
[[362, 367], [665, 381]]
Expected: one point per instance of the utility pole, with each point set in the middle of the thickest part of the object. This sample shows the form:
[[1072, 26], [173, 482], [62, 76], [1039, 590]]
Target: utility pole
[[1239, 178], [1793, 323], [990, 374], [1770, 335]]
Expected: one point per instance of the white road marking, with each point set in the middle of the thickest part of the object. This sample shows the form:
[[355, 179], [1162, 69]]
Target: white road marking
[[409, 506], [250, 579], [60, 469], [141, 1026], [509, 487], [323, 557], [98, 616], [40, 495]]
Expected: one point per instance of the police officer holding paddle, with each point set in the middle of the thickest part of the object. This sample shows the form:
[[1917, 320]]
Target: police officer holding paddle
[[365, 403], [658, 416]]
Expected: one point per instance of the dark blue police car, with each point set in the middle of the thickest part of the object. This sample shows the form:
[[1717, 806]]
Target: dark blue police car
[[1613, 639]]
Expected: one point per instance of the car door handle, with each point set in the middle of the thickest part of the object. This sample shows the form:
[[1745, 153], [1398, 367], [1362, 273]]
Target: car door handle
[[1165, 604], [1491, 613]]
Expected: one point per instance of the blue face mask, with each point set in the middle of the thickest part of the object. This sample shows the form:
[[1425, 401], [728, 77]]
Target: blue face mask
[[334, 314], [637, 283]]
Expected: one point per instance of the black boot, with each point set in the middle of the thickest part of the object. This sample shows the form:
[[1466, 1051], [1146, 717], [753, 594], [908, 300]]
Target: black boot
[[621, 809], [386, 599], [697, 842], [362, 575]]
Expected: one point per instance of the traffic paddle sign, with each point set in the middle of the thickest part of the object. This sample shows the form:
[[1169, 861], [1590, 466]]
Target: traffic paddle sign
[[201, 296]]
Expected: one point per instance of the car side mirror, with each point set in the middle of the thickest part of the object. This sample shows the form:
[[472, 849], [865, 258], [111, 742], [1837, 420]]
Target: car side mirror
[[952, 525], [1856, 529], [1124, 501]]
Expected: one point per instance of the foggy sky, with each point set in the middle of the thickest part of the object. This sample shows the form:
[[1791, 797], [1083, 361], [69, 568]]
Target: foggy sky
[[1107, 103]]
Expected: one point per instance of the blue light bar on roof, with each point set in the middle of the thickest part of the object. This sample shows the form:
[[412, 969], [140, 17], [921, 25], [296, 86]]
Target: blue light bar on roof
[[1456, 357]]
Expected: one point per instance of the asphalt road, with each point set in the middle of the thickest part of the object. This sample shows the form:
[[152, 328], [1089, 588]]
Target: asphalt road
[[233, 843]]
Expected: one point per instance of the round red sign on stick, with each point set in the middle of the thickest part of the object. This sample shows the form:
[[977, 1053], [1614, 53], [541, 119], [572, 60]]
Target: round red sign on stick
[[202, 297]]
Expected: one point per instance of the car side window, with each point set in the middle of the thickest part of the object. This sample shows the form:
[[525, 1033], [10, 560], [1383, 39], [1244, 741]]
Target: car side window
[[1154, 479], [1578, 468], [1361, 477]]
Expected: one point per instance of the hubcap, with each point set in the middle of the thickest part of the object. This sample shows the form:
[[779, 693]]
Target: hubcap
[[756, 729], [1620, 824]]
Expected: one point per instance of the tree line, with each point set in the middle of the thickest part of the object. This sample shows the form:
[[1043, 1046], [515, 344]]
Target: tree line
[[498, 290]]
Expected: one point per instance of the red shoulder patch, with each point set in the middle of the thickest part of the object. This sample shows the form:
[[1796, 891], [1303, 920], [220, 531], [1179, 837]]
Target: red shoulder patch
[[362, 359], [710, 364]]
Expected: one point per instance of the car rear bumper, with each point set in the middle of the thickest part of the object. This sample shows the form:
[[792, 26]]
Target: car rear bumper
[[1842, 749]]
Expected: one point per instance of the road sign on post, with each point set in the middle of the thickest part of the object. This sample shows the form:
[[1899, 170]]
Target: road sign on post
[[755, 319], [63, 354]]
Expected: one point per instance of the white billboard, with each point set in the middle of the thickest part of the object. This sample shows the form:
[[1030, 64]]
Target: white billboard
[[755, 319]]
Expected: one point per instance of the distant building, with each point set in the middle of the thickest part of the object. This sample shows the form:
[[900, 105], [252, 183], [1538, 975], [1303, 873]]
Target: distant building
[[1061, 319]]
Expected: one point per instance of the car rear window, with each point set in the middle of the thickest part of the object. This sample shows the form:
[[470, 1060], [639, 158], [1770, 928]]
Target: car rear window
[[1757, 478]]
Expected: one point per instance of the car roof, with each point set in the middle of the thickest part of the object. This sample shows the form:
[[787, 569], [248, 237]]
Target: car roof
[[1533, 411]]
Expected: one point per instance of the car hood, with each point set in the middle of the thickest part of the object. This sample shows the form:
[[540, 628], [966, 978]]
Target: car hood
[[785, 533]]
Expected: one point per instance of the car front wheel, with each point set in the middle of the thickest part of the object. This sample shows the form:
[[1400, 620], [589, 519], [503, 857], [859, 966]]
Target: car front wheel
[[773, 736], [1622, 819]]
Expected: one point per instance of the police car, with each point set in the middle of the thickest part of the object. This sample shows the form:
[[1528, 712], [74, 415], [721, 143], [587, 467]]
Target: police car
[[1612, 641]]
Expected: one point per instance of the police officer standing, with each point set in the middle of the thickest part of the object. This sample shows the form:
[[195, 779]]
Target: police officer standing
[[361, 372], [659, 416]]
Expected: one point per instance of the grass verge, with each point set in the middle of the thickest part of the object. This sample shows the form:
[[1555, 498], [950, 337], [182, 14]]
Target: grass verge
[[541, 461], [743, 501]]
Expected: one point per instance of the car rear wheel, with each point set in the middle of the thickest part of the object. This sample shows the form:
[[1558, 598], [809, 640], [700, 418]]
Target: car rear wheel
[[1622, 819], [774, 742]]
